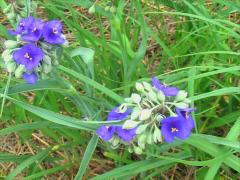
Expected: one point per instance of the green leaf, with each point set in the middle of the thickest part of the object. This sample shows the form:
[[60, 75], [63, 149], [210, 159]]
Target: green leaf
[[87, 156]]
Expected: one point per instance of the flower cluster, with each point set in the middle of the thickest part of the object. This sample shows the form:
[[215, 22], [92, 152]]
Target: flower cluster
[[36, 49], [154, 112]]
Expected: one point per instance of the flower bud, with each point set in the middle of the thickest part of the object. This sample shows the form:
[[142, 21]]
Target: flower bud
[[135, 113], [139, 87], [92, 9], [11, 66], [115, 142], [181, 105], [7, 8], [10, 44], [11, 16], [129, 124], [137, 150], [142, 141], [161, 96], [122, 108], [149, 138], [136, 98], [153, 96], [19, 71], [46, 68], [147, 86], [157, 137], [112, 9], [181, 96], [47, 59], [141, 128], [128, 100], [145, 114]]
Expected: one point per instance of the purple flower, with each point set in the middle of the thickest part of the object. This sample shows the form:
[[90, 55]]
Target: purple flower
[[28, 55], [107, 132], [30, 78], [186, 114], [34, 32], [175, 127], [167, 90], [126, 134], [114, 114], [52, 32], [22, 26]]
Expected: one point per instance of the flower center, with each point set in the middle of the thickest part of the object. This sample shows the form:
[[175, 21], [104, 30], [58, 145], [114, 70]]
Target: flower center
[[174, 130], [26, 55], [34, 29], [55, 31]]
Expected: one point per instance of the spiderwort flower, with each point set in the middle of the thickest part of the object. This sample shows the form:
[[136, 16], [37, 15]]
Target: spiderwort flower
[[167, 90], [28, 55], [175, 127], [107, 132], [186, 113], [30, 78], [22, 26], [34, 32], [52, 32]]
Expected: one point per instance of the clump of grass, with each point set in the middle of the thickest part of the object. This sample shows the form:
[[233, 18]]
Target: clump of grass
[[192, 45]]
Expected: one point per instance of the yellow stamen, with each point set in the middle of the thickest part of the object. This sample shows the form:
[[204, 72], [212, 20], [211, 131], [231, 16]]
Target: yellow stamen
[[34, 29], [26, 55], [174, 130]]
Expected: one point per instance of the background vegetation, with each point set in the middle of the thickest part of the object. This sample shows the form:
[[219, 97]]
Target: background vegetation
[[47, 129]]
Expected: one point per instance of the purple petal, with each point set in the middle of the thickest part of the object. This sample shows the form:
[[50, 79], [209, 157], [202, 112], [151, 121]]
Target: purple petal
[[156, 83], [52, 32], [170, 91], [30, 78], [114, 114], [105, 133], [126, 134]]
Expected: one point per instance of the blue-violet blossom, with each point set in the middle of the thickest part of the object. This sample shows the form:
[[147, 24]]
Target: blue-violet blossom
[[107, 132], [22, 26], [167, 90], [28, 55], [30, 78], [175, 127], [52, 32]]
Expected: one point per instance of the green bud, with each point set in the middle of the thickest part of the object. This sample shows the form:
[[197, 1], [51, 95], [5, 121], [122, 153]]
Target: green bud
[[145, 114], [181, 105], [142, 141], [116, 23], [107, 8], [137, 150], [149, 138], [11, 66], [139, 87], [135, 113], [7, 55], [181, 96], [10, 44], [115, 141], [112, 9], [136, 98], [129, 124], [187, 101], [128, 100], [122, 108], [11, 16], [157, 137], [141, 128], [147, 86], [92, 9], [46, 68], [130, 149], [7, 9], [161, 96], [19, 71], [153, 96], [47, 59]]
